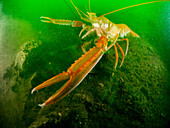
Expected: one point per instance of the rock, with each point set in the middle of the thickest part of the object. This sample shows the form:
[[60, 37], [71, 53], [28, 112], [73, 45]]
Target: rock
[[130, 96]]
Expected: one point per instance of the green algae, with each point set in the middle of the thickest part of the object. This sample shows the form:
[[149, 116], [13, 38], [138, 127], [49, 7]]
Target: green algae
[[130, 96]]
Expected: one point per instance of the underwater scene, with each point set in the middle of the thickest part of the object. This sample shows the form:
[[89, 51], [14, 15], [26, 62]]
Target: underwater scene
[[35, 47]]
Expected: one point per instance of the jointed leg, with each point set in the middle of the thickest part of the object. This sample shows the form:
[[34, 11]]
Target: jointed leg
[[62, 22], [116, 54], [57, 21], [90, 31], [113, 41], [59, 94], [86, 27], [121, 52], [84, 45], [99, 32], [127, 44], [60, 77]]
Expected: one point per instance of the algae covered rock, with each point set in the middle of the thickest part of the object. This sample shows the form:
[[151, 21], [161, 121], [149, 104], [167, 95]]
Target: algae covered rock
[[130, 96]]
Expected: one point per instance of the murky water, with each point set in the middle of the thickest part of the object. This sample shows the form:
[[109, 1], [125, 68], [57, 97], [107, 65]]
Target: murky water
[[20, 27]]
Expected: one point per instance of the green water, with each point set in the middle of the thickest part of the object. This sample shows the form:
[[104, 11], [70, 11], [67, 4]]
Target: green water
[[58, 47]]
